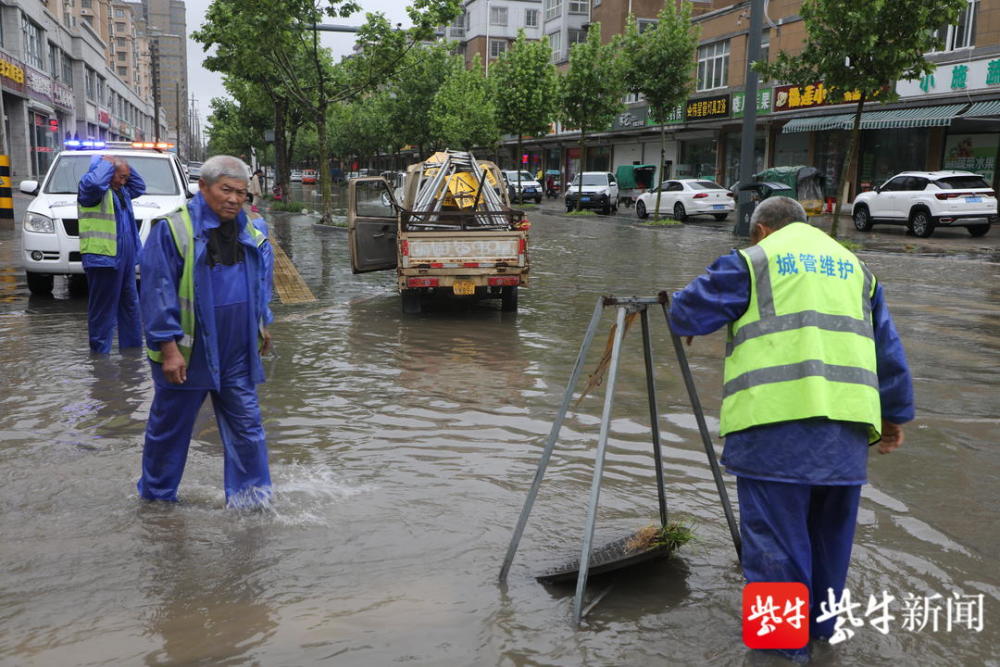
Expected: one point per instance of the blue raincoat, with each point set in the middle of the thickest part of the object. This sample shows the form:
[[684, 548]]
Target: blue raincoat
[[231, 305], [112, 298]]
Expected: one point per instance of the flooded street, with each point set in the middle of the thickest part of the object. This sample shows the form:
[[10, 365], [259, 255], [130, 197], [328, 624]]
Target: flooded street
[[402, 448]]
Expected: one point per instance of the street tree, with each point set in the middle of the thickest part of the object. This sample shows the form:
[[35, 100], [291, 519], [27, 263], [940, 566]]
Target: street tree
[[281, 35], [861, 48], [412, 92], [659, 66], [464, 113], [525, 86], [591, 90]]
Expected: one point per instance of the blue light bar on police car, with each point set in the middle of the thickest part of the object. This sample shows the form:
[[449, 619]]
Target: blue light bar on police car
[[85, 144]]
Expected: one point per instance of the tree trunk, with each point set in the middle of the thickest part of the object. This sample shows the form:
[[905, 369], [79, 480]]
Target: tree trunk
[[583, 166], [845, 172], [517, 165], [324, 169], [281, 168], [659, 168]]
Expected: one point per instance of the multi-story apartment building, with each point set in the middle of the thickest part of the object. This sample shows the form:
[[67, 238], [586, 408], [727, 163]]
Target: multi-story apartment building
[[166, 26], [59, 78], [950, 119]]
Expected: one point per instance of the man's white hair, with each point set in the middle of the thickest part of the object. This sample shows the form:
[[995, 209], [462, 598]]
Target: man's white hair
[[224, 166]]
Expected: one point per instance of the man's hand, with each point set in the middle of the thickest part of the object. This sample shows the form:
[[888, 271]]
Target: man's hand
[[174, 366], [892, 437], [265, 345], [109, 158]]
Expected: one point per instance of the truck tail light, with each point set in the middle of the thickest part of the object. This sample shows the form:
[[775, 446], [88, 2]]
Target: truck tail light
[[506, 281], [421, 282], [522, 246], [404, 248], [700, 195]]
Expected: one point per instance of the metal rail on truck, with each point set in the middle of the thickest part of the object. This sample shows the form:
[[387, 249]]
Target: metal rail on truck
[[416, 221]]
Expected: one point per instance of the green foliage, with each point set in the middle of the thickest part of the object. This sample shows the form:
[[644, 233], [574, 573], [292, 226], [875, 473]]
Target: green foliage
[[526, 87], [662, 222], [412, 92], [865, 45], [463, 114], [659, 62], [591, 90]]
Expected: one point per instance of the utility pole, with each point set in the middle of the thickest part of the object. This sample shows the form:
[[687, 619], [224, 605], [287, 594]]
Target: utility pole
[[177, 107], [154, 55], [747, 158]]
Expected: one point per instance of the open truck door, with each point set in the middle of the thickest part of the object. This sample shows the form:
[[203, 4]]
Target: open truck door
[[372, 223]]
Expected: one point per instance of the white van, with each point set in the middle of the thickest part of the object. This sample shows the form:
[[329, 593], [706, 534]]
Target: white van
[[50, 232]]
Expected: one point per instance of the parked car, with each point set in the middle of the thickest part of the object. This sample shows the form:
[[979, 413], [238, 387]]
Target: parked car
[[599, 190], [194, 171], [926, 200], [295, 176], [531, 189], [686, 197], [309, 176], [50, 232]]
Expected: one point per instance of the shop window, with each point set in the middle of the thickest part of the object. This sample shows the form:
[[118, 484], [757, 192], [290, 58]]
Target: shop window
[[963, 34], [713, 65], [553, 8]]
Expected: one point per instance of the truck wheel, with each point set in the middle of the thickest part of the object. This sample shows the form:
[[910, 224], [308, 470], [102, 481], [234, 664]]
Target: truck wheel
[[411, 301], [508, 299], [39, 283]]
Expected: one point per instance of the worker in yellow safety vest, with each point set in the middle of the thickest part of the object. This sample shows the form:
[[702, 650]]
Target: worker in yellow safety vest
[[109, 251], [814, 373]]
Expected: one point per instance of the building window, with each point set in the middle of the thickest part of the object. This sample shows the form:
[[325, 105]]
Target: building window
[[89, 20], [765, 45], [962, 35], [553, 8], [121, 56], [645, 24], [575, 37], [497, 46], [578, 6], [122, 70], [713, 65], [53, 61], [555, 43], [67, 70], [531, 18], [119, 13], [90, 79], [32, 43], [498, 16], [86, 4], [119, 28]]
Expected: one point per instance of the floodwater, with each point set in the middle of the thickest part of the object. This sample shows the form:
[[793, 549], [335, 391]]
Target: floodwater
[[402, 449]]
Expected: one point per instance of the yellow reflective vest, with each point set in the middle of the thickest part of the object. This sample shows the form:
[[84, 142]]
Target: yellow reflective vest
[[805, 347], [98, 228]]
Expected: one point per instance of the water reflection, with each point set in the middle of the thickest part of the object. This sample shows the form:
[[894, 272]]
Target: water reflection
[[208, 593]]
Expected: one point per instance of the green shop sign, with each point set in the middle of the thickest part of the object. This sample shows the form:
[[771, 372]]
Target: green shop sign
[[763, 102]]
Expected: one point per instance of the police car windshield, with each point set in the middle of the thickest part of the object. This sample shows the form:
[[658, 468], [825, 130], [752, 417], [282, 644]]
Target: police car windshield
[[69, 169]]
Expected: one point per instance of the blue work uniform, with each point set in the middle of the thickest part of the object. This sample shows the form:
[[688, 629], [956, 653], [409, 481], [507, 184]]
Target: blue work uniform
[[231, 304], [112, 297], [798, 482]]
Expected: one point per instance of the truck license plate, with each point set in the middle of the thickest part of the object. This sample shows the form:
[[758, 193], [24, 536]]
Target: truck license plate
[[464, 287]]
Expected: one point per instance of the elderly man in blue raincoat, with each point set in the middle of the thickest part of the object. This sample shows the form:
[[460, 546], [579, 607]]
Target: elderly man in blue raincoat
[[109, 250], [814, 373], [206, 282]]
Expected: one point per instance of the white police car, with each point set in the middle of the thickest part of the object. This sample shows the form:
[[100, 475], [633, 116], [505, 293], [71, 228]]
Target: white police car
[[50, 235]]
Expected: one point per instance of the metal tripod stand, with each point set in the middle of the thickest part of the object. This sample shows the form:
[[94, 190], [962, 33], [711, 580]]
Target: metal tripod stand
[[624, 306]]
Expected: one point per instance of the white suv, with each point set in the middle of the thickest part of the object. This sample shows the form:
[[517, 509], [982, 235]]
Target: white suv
[[50, 233], [599, 190], [925, 200]]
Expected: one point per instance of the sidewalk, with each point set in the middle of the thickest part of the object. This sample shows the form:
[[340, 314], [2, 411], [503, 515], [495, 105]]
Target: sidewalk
[[883, 238]]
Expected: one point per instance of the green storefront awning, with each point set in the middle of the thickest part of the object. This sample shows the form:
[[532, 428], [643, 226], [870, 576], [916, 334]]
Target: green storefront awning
[[938, 116], [981, 109], [816, 124]]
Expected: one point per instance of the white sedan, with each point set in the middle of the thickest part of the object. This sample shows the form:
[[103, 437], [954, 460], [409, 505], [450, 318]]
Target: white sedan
[[685, 197]]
